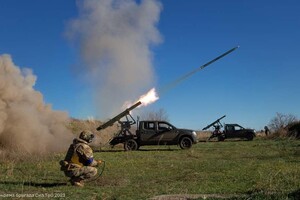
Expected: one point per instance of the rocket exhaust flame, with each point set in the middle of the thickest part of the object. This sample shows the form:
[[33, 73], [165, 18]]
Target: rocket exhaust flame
[[149, 98], [144, 100]]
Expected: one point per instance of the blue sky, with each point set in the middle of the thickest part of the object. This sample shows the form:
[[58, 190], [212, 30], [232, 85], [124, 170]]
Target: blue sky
[[249, 85]]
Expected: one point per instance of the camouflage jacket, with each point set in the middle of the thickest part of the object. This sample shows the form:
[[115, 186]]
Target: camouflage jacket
[[80, 154]]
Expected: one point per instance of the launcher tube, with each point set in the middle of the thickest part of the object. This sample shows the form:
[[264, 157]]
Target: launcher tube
[[118, 117]]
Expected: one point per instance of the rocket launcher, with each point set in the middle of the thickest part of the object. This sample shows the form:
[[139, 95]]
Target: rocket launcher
[[119, 116], [215, 122]]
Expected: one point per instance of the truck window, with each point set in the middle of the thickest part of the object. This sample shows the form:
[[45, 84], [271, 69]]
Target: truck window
[[237, 128], [149, 126], [163, 126], [230, 128]]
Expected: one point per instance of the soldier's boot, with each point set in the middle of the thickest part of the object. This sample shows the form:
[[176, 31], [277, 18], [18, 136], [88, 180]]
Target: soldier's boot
[[77, 182]]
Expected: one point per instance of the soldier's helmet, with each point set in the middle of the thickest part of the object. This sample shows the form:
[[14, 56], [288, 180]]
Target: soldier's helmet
[[87, 136]]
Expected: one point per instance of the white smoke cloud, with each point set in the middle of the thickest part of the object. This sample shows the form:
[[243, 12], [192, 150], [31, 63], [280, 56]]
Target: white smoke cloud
[[115, 39], [27, 124]]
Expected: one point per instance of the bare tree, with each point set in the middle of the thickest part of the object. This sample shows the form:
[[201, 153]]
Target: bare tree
[[160, 115], [281, 120]]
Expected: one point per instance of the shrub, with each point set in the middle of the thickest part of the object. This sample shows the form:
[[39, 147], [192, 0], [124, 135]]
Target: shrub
[[283, 125], [294, 129]]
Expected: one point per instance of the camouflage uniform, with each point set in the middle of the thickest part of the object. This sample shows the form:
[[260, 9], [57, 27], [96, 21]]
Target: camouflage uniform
[[79, 163]]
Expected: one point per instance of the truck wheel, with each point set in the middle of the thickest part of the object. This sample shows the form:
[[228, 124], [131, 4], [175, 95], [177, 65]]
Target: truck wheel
[[130, 145], [249, 137], [185, 143]]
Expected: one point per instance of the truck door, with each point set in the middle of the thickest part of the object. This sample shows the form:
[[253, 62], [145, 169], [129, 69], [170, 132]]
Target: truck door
[[229, 131], [167, 132], [239, 131], [148, 133]]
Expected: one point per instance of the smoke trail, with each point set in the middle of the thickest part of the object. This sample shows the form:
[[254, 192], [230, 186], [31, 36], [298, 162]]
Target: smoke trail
[[27, 124], [115, 39], [186, 76]]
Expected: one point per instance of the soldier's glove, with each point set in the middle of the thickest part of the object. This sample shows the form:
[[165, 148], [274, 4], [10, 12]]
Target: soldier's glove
[[99, 162], [63, 165]]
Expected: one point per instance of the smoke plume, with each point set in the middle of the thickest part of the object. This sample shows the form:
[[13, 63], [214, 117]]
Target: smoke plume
[[27, 124], [115, 38]]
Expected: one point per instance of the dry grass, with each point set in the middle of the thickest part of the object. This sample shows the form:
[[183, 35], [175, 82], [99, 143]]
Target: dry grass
[[203, 135]]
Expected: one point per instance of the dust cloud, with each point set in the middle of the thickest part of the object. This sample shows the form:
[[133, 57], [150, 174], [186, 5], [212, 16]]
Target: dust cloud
[[115, 39], [27, 124]]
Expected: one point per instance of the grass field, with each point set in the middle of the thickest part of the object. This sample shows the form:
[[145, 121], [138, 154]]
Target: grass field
[[259, 169]]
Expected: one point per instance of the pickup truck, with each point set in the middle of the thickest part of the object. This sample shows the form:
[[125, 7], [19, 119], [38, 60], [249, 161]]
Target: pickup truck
[[236, 131], [156, 133], [230, 131]]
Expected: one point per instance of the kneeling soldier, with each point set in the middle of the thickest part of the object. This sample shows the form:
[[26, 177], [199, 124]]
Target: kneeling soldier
[[79, 163]]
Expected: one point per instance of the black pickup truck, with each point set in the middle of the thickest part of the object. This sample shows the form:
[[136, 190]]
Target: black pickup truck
[[156, 133], [236, 131], [230, 131]]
